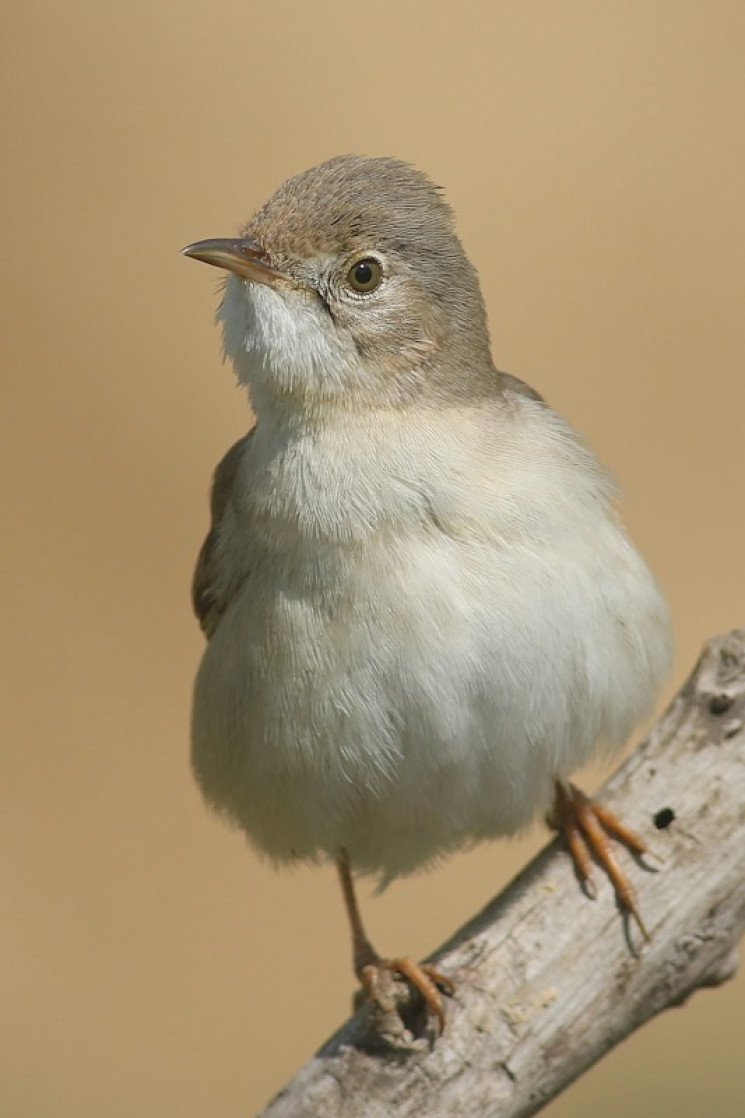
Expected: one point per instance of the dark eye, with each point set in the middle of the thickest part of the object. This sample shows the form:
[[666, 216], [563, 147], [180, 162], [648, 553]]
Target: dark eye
[[365, 275]]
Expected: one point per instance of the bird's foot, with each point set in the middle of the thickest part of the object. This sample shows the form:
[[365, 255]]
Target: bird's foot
[[587, 827], [378, 980]]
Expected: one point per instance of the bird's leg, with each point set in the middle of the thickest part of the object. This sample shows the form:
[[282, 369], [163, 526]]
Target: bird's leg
[[586, 827], [363, 952], [368, 965]]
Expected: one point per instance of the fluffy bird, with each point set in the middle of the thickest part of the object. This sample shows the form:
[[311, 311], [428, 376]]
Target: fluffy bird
[[422, 610]]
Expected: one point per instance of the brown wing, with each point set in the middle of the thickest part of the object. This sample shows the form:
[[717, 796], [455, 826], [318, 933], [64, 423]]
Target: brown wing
[[208, 596], [514, 384]]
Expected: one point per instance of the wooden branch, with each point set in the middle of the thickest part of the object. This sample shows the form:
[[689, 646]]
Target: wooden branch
[[548, 980]]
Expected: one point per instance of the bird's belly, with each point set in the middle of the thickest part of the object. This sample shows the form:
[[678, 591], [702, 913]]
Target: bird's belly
[[412, 701]]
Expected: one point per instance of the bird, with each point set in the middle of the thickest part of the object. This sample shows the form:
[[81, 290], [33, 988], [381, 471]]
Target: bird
[[422, 610]]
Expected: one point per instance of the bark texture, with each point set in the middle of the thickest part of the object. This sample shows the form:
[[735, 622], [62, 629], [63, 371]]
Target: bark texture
[[548, 980]]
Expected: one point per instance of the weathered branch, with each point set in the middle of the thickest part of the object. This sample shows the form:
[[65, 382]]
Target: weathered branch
[[549, 980]]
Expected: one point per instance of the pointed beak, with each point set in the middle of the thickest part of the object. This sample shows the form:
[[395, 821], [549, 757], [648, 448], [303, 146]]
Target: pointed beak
[[240, 255]]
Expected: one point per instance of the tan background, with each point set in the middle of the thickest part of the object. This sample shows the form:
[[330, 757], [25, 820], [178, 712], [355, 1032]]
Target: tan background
[[594, 153]]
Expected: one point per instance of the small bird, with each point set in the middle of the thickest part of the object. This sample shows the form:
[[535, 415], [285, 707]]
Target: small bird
[[421, 608]]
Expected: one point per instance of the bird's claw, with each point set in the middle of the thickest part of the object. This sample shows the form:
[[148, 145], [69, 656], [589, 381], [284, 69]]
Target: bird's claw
[[428, 982], [586, 827]]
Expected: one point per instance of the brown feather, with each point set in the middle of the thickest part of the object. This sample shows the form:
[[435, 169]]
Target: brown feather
[[208, 597]]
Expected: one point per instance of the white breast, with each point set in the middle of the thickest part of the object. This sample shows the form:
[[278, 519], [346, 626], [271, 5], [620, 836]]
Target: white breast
[[440, 614]]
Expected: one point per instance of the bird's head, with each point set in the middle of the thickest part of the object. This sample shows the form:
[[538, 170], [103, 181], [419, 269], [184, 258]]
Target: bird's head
[[350, 285]]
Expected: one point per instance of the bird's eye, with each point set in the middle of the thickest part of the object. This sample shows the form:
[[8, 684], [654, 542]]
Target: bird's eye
[[365, 275]]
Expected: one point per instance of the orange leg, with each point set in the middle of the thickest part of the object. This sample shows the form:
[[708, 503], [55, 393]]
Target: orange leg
[[368, 964], [586, 826]]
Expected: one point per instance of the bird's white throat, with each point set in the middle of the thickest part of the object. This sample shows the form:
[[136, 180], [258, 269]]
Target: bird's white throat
[[283, 343]]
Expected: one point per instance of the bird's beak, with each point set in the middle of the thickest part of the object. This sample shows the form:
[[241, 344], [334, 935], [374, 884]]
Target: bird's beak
[[243, 257]]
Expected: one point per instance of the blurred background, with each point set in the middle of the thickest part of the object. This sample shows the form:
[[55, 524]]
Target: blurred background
[[594, 154]]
